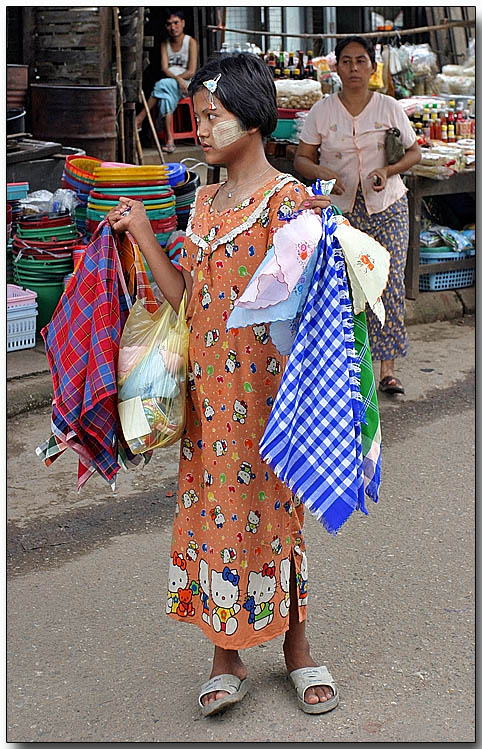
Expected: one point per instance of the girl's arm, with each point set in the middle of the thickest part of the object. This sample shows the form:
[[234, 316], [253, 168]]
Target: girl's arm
[[171, 281]]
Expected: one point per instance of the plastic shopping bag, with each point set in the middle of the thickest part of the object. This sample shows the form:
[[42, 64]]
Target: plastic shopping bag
[[151, 376]]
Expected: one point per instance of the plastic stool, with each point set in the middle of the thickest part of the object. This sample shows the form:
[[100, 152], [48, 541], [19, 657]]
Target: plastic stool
[[184, 110]]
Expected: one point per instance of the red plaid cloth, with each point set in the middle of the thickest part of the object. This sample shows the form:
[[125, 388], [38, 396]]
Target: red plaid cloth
[[82, 345]]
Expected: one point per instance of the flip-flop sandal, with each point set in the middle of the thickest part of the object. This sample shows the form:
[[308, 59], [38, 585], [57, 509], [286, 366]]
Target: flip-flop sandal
[[395, 386], [318, 676], [169, 148], [223, 683]]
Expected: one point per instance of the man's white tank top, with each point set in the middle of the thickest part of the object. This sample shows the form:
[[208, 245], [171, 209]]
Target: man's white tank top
[[178, 61]]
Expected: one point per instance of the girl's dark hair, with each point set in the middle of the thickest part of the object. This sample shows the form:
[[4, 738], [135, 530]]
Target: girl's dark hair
[[245, 88], [174, 12], [369, 49]]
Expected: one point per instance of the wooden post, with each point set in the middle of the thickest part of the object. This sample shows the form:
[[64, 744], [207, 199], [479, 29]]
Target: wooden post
[[28, 41], [105, 51], [140, 154], [120, 88], [412, 271], [153, 129]]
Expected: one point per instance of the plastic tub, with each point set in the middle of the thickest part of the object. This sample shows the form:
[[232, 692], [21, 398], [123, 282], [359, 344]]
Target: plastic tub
[[15, 121], [48, 295]]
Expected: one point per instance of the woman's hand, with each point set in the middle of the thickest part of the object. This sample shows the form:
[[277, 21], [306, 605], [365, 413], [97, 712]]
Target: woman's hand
[[317, 203], [379, 178], [130, 215]]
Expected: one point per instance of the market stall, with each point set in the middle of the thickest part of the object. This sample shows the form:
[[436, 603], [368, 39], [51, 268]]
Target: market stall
[[455, 270], [440, 103]]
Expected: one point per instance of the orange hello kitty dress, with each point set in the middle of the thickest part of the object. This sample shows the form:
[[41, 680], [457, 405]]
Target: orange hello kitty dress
[[237, 528]]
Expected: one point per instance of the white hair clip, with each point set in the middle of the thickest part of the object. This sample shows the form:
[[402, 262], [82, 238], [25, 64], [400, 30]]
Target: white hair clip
[[211, 86]]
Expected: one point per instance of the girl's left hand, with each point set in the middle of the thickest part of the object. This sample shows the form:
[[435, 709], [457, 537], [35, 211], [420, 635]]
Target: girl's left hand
[[130, 215], [379, 178], [317, 203]]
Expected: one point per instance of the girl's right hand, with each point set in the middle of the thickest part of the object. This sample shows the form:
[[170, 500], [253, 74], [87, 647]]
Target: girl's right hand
[[339, 187], [129, 215]]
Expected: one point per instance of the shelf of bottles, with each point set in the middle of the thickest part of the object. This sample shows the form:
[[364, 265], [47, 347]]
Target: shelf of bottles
[[297, 66], [291, 65], [444, 121]]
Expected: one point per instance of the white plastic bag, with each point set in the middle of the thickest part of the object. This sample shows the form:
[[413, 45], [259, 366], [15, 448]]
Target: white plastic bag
[[151, 376]]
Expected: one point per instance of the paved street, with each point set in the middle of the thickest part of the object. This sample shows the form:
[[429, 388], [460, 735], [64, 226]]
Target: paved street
[[92, 656]]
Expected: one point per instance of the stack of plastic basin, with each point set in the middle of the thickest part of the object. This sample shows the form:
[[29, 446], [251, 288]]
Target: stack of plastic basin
[[42, 256], [153, 185], [16, 191], [158, 200], [185, 195], [78, 175], [9, 259]]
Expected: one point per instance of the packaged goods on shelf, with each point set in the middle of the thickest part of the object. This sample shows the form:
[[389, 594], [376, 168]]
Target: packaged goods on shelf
[[425, 68], [297, 94], [456, 84]]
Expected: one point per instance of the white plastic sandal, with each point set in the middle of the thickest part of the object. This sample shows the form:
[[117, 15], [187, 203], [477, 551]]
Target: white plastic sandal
[[316, 676], [223, 683]]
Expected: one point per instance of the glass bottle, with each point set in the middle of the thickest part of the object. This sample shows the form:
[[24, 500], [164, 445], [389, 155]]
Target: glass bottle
[[450, 113], [301, 66], [426, 124], [271, 62], [309, 64], [291, 62], [282, 64]]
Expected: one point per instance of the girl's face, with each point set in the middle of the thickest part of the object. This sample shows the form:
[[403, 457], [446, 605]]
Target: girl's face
[[218, 129], [355, 67], [175, 26]]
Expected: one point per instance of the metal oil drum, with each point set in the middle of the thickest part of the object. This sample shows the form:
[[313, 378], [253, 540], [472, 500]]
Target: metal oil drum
[[79, 116]]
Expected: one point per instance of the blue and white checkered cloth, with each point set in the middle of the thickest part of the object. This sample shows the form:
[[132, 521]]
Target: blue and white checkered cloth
[[312, 440]]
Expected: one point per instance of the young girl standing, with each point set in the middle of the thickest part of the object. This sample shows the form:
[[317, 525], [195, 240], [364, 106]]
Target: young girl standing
[[238, 566]]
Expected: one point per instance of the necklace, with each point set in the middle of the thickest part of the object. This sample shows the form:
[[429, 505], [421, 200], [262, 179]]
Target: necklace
[[230, 194]]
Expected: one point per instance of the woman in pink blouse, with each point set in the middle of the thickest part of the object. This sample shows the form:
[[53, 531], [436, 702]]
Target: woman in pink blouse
[[348, 129]]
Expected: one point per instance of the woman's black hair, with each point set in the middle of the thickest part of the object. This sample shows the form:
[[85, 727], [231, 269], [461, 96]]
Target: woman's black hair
[[369, 49], [174, 12], [245, 88]]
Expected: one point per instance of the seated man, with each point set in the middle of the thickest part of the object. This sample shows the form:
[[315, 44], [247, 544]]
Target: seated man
[[178, 62]]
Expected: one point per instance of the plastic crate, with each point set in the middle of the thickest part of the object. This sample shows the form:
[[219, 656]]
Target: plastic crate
[[285, 129], [21, 328], [18, 297], [17, 190], [449, 279]]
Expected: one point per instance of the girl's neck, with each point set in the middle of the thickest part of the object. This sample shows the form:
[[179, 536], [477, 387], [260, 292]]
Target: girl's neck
[[248, 161]]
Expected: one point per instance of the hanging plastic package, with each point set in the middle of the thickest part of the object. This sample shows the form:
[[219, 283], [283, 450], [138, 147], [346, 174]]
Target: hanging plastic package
[[151, 376]]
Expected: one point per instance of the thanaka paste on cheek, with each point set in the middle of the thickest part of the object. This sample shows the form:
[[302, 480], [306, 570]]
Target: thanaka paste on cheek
[[226, 133]]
